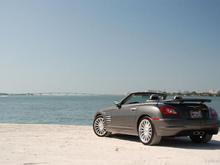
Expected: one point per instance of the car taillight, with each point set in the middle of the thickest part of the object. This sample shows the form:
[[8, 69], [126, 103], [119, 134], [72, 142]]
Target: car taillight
[[168, 111], [213, 113]]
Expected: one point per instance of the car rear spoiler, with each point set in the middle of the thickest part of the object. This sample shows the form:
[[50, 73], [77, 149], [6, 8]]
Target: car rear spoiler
[[182, 100]]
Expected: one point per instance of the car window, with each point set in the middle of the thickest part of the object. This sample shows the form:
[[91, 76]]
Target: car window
[[136, 99]]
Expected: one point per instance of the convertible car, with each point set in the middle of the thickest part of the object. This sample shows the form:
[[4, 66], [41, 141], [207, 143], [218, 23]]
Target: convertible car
[[151, 116]]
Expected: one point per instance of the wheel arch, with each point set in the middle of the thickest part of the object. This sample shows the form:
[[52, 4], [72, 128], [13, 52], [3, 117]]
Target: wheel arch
[[98, 114]]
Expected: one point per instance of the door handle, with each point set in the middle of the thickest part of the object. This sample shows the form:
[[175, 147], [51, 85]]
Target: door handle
[[133, 109]]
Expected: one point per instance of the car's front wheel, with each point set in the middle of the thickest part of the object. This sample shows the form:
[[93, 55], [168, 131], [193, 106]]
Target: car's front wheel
[[99, 126], [201, 138], [146, 132]]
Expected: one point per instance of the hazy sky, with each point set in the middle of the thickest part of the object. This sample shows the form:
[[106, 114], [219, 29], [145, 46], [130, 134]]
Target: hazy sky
[[109, 46]]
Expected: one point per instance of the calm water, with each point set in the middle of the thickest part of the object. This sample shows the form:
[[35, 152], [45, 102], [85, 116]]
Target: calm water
[[58, 109]]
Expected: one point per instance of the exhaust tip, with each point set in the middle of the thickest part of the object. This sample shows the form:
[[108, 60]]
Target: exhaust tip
[[198, 133]]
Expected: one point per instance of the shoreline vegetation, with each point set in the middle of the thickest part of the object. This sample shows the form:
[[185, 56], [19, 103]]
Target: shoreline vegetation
[[185, 93]]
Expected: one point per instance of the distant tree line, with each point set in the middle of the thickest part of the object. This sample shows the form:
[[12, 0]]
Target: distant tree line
[[194, 93], [3, 94]]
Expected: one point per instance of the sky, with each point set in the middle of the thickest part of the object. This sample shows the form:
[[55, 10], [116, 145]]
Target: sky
[[109, 46]]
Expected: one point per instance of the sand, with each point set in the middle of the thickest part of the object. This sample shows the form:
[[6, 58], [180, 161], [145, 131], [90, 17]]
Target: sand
[[24, 144]]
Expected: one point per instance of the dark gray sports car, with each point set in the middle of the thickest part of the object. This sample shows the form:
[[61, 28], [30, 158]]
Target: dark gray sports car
[[151, 116]]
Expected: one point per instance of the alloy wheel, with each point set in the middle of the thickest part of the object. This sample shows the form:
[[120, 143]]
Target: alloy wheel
[[145, 131], [99, 126]]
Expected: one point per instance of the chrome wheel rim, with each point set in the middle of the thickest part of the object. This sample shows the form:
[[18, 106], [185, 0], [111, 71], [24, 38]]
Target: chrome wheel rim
[[99, 126], [145, 130]]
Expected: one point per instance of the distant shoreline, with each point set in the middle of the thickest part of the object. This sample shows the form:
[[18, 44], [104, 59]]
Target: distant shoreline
[[56, 94], [189, 94]]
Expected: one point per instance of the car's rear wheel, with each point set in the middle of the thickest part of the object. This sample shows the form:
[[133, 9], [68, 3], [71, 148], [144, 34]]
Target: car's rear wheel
[[146, 132], [99, 126], [201, 138]]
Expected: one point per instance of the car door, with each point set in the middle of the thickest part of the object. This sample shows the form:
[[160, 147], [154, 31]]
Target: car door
[[124, 117]]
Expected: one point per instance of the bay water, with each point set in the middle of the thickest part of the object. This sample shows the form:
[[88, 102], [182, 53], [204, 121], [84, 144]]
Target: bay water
[[77, 110]]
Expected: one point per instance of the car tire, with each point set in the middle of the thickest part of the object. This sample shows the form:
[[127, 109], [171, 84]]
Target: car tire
[[99, 127], [201, 139], [147, 133]]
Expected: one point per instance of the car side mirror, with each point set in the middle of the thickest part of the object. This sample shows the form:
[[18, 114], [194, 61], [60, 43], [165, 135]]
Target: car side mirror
[[117, 104]]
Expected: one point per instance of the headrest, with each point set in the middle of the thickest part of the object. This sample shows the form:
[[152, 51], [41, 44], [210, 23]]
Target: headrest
[[178, 97], [154, 97]]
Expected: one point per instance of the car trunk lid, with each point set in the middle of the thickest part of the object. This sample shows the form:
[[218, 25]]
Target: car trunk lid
[[192, 109]]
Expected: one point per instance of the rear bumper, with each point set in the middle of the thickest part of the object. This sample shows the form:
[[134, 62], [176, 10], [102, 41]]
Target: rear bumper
[[173, 127]]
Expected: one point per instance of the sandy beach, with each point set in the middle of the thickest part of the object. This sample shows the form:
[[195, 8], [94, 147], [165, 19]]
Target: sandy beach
[[25, 144]]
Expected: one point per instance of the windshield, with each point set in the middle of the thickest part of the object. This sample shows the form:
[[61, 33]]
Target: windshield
[[143, 98]]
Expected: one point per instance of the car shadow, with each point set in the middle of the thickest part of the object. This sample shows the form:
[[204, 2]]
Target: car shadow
[[175, 142], [125, 137]]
